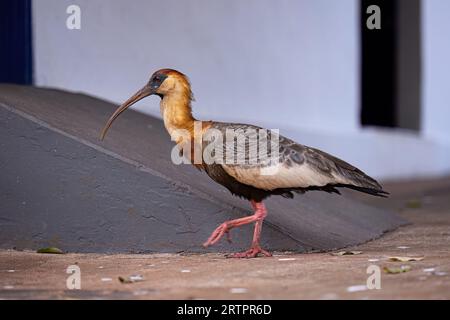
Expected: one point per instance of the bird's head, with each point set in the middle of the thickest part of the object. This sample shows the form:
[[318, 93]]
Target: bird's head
[[164, 82]]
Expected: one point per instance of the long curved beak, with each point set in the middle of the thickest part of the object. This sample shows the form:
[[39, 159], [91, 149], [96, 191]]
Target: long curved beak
[[144, 92]]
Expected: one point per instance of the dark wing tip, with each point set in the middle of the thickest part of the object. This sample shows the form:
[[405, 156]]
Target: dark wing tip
[[374, 192]]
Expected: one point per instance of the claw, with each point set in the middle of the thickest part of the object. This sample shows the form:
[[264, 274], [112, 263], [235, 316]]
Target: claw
[[250, 253]]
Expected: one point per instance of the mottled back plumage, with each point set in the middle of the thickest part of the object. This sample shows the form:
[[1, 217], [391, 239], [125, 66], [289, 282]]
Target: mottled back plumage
[[299, 168]]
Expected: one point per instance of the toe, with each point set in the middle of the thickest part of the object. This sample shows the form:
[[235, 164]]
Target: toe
[[265, 253], [251, 253]]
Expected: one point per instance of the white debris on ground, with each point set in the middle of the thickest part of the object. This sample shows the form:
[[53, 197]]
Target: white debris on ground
[[238, 290], [357, 288]]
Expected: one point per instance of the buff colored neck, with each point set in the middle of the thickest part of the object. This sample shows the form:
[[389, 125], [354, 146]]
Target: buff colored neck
[[177, 112]]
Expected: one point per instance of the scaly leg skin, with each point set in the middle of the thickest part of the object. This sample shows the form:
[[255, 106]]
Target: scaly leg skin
[[224, 228]]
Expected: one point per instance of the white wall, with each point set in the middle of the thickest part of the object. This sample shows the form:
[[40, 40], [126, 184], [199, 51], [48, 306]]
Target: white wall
[[292, 65], [247, 60], [436, 63]]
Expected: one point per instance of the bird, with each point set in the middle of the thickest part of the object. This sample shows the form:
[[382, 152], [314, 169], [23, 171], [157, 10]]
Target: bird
[[298, 168]]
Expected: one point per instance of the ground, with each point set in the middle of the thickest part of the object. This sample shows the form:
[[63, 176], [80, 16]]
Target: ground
[[426, 204]]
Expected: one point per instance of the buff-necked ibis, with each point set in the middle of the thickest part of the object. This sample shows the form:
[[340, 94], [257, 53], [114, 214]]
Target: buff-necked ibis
[[298, 168]]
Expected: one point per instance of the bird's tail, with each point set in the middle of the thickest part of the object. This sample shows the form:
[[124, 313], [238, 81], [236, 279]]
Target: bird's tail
[[371, 191]]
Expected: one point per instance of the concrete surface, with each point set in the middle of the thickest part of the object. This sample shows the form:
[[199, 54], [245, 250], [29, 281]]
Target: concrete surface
[[60, 186], [25, 275]]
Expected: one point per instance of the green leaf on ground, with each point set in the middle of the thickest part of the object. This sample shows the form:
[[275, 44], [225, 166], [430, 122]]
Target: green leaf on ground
[[51, 250], [395, 270]]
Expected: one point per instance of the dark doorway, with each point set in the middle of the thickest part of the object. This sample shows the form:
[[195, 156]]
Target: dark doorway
[[16, 59], [391, 66]]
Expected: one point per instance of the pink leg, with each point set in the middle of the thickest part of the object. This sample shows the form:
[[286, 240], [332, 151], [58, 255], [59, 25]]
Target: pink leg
[[224, 228]]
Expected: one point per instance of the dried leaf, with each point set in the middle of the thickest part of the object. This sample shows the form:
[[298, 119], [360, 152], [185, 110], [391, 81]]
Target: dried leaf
[[405, 259], [131, 279], [346, 253], [124, 280], [51, 250], [395, 270]]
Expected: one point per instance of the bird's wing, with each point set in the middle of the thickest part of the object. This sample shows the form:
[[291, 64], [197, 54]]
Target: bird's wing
[[293, 166]]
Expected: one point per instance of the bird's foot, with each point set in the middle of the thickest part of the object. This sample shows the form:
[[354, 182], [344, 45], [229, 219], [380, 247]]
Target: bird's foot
[[217, 234], [250, 253]]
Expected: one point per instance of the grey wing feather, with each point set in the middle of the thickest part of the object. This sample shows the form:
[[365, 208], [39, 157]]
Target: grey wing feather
[[353, 174], [239, 151], [299, 165], [325, 164]]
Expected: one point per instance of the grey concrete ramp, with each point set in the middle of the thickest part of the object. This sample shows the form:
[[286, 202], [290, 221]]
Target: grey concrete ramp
[[61, 186]]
